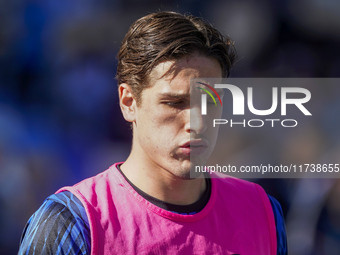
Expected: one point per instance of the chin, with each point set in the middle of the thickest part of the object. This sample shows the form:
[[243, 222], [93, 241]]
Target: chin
[[188, 174], [185, 170]]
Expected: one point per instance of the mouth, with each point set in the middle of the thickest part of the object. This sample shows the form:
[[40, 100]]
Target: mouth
[[194, 147]]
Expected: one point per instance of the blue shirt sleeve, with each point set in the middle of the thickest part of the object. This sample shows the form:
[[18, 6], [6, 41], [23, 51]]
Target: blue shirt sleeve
[[280, 227], [59, 226]]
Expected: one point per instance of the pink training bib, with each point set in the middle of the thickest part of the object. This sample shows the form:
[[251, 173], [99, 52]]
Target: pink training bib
[[238, 219]]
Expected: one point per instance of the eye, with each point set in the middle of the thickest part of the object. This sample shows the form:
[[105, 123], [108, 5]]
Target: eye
[[176, 103], [211, 101]]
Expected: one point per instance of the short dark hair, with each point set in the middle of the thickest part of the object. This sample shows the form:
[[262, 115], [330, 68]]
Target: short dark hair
[[164, 36]]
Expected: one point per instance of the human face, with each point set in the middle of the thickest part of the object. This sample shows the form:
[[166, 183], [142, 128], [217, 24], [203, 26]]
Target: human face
[[163, 134]]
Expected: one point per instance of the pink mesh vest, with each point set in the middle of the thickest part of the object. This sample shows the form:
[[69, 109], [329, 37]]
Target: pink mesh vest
[[238, 219]]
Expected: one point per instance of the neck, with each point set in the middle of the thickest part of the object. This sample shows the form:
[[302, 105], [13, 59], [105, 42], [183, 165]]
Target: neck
[[161, 183]]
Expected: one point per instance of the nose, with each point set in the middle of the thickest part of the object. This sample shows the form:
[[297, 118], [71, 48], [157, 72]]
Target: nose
[[196, 122]]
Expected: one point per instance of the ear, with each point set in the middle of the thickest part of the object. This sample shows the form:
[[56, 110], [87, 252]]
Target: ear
[[127, 102]]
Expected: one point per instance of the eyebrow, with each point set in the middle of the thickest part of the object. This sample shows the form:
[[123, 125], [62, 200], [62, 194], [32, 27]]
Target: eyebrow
[[170, 95], [220, 92]]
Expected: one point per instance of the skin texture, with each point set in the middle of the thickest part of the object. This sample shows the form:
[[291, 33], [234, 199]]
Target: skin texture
[[161, 158]]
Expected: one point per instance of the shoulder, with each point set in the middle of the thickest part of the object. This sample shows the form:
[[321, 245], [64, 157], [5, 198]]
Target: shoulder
[[59, 226]]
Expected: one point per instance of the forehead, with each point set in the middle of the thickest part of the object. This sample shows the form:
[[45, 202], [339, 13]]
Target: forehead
[[176, 74]]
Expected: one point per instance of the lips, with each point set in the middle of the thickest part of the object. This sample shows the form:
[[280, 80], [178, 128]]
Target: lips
[[194, 147]]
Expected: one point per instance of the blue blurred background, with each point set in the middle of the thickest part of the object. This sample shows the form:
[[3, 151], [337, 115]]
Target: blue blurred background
[[59, 115]]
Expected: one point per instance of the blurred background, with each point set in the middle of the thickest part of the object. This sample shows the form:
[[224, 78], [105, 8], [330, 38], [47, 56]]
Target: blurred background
[[59, 115]]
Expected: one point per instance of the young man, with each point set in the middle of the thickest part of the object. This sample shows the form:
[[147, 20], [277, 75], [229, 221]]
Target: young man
[[150, 204]]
